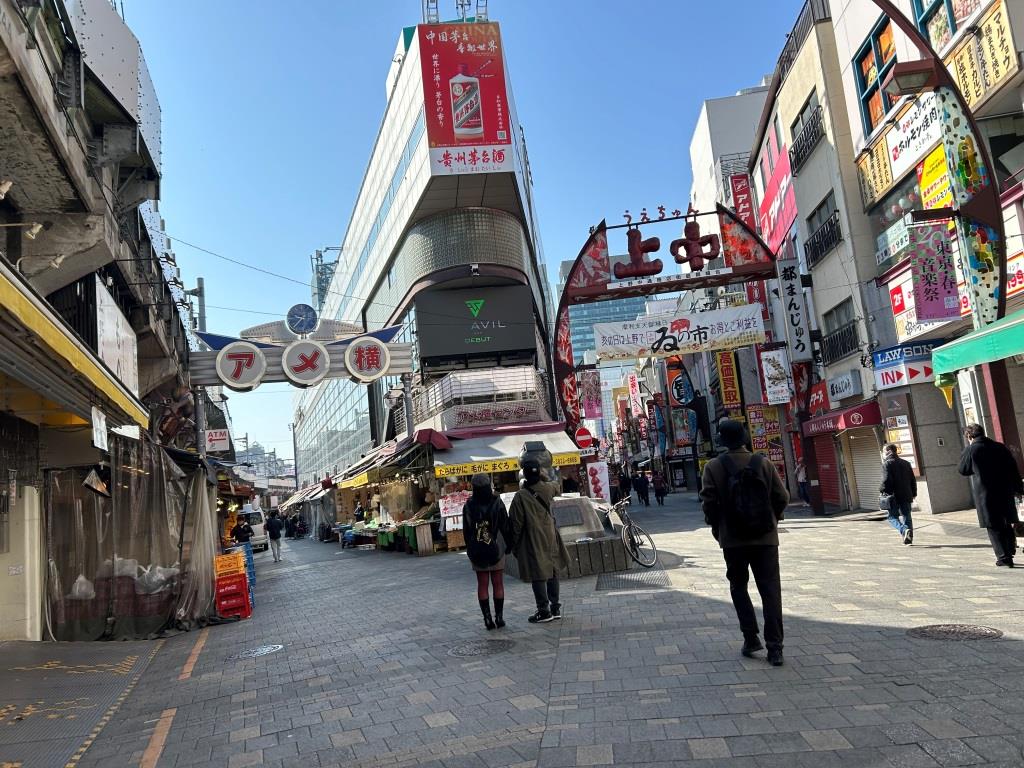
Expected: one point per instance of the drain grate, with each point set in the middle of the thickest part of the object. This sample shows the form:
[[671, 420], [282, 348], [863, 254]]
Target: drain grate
[[481, 648], [958, 632], [252, 653], [642, 579]]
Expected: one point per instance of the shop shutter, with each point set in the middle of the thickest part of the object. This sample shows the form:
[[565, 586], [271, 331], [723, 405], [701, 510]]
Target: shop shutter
[[866, 461], [828, 469]]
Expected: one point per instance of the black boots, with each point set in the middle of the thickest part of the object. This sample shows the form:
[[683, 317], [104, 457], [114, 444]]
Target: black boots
[[751, 644], [485, 608], [499, 608]]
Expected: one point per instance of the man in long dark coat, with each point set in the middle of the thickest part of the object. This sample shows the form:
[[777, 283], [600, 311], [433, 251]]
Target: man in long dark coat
[[538, 547], [995, 481]]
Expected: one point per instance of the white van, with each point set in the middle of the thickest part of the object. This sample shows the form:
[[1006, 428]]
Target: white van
[[255, 519]]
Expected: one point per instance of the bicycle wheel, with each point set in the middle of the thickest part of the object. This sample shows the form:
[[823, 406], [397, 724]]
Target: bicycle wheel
[[639, 545]]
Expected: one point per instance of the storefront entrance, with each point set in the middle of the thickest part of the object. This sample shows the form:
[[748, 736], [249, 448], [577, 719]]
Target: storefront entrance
[[866, 466], [828, 469]]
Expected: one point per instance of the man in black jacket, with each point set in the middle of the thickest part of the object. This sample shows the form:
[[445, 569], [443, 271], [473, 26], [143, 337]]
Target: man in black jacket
[[995, 480], [274, 527], [745, 552], [900, 485]]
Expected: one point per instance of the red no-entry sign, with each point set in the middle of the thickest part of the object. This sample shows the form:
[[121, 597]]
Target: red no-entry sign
[[583, 437]]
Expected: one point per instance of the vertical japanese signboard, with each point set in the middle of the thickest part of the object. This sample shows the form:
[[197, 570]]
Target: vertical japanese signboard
[[636, 402], [590, 388], [778, 209], [935, 290], [874, 173], [731, 397], [742, 202], [467, 106], [766, 434], [798, 331], [775, 372], [984, 61]]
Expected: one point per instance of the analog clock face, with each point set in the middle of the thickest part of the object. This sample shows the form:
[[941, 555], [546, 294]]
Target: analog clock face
[[301, 319]]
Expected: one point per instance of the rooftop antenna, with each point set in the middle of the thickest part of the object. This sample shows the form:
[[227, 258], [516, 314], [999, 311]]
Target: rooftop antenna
[[430, 15], [481, 10], [462, 8]]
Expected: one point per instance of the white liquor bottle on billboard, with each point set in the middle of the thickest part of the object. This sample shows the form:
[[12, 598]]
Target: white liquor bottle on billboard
[[466, 116]]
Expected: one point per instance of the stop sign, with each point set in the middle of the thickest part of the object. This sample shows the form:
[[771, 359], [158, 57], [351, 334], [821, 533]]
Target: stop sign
[[583, 437]]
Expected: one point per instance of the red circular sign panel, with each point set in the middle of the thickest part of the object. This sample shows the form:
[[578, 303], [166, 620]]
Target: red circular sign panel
[[583, 437]]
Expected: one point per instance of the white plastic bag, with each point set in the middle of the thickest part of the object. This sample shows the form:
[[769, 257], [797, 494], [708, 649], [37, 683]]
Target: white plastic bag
[[82, 589]]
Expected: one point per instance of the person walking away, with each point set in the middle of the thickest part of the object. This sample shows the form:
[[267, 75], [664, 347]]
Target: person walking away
[[538, 547], [274, 527], [744, 499], [626, 484], [289, 526], [899, 487], [660, 488], [242, 531], [995, 481], [485, 522], [643, 489], [802, 485]]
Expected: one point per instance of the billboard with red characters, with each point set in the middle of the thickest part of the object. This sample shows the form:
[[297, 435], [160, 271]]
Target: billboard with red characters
[[466, 100]]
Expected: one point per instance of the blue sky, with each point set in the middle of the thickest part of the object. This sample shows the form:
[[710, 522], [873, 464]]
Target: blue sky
[[269, 118]]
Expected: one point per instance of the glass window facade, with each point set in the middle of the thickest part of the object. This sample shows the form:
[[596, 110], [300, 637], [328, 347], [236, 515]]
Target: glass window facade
[[871, 65]]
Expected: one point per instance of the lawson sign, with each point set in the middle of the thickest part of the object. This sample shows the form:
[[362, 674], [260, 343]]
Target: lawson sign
[[891, 357]]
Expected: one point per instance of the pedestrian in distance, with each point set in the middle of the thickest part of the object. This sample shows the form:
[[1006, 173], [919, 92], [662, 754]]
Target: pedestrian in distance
[[660, 488], [744, 499], [274, 528], [538, 547], [485, 523], [898, 491], [995, 482], [626, 484], [643, 489], [803, 487], [289, 526], [242, 531]]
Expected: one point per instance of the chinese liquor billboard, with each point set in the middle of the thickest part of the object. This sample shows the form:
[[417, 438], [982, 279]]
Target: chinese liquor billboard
[[466, 101]]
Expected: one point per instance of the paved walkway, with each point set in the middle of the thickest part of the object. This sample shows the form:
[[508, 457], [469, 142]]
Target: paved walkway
[[386, 663]]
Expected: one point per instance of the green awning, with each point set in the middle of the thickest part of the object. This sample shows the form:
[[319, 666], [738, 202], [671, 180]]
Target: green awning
[[998, 341]]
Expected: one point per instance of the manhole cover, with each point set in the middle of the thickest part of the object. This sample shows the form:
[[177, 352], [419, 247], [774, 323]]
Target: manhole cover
[[480, 648], [638, 579], [252, 653], [955, 632]]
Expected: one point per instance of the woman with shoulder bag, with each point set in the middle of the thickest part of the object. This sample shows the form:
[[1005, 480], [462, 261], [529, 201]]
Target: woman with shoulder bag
[[485, 523]]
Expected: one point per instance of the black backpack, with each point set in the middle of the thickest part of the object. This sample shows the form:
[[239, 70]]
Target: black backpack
[[482, 537], [748, 512]]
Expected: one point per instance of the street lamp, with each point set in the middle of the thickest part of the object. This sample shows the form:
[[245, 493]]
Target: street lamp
[[33, 227], [907, 78]]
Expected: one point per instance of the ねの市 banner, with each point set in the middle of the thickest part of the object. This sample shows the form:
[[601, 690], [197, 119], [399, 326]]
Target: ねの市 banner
[[667, 335]]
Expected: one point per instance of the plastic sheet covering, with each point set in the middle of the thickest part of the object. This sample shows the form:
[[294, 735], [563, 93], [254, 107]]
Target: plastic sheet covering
[[198, 551], [113, 563]]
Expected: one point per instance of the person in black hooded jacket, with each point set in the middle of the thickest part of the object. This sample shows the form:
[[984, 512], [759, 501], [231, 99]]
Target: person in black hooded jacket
[[485, 524]]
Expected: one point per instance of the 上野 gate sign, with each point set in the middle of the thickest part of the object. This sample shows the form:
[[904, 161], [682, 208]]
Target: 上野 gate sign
[[667, 335], [241, 365], [367, 358], [305, 362]]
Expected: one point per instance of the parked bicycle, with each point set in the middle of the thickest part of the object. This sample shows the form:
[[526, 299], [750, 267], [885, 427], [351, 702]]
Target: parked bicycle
[[636, 540]]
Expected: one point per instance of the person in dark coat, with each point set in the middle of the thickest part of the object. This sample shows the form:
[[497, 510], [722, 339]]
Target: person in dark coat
[[485, 524], [625, 484], [995, 481], [643, 489], [660, 488], [900, 485], [274, 527], [538, 547], [743, 554]]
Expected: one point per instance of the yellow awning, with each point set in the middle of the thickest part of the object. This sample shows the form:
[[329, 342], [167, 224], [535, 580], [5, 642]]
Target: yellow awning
[[33, 314], [500, 453]]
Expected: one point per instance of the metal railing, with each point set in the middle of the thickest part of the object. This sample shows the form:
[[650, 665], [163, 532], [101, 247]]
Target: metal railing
[[803, 145], [812, 12], [824, 240], [495, 385], [841, 343]]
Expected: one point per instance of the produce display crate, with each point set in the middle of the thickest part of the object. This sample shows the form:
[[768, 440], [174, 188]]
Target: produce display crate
[[456, 539]]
